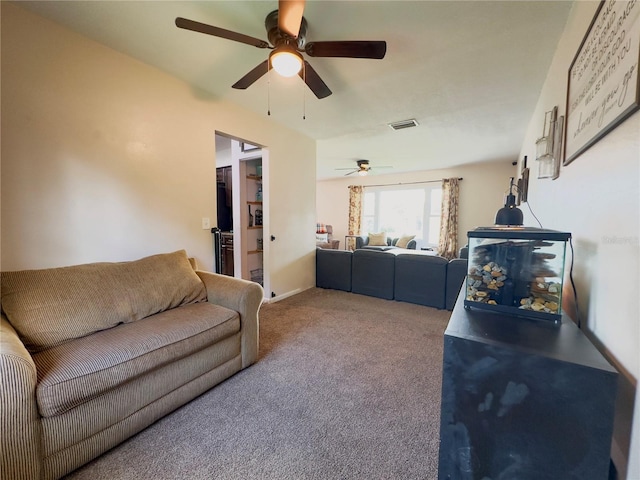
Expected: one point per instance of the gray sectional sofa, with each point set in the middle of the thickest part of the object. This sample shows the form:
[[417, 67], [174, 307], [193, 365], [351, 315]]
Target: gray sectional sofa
[[92, 354], [409, 276]]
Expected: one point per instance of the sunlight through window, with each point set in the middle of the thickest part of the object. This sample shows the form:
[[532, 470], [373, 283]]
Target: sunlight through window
[[404, 211]]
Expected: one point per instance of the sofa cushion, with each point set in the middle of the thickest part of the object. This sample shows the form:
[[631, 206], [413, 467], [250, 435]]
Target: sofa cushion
[[372, 273], [379, 248], [333, 269], [322, 237], [420, 278], [377, 239], [404, 241], [85, 368], [456, 273], [50, 306]]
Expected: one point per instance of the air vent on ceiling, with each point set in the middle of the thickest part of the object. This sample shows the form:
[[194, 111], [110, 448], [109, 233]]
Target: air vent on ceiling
[[404, 124]]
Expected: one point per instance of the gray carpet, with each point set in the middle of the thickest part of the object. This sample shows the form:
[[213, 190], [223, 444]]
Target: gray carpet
[[346, 387]]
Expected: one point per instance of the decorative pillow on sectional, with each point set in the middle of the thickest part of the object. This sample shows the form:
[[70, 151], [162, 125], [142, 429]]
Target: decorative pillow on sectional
[[50, 306], [378, 239], [404, 241], [322, 237]]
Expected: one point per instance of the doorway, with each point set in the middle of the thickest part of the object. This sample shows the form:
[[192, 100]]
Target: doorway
[[241, 208]]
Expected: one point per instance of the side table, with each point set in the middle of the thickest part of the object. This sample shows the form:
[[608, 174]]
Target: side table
[[522, 398], [346, 242]]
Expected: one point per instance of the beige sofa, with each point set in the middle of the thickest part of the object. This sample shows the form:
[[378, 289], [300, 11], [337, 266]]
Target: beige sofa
[[92, 354]]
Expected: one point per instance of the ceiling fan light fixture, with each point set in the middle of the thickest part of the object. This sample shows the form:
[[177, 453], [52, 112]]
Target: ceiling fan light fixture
[[363, 172], [286, 61]]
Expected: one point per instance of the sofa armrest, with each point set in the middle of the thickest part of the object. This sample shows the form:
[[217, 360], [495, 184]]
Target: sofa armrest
[[244, 297], [362, 241], [20, 425]]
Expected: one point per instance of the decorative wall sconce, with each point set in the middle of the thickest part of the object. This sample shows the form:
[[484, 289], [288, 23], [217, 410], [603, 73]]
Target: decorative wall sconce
[[548, 146]]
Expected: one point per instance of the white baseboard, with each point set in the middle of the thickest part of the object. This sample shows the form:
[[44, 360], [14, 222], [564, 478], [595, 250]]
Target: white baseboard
[[277, 298]]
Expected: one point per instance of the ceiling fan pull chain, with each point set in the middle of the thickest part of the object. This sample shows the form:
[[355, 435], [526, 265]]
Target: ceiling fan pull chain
[[304, 91], [269, 90]]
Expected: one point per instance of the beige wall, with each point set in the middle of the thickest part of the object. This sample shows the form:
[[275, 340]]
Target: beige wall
[[597, 199], [105, 158], [481, 194]]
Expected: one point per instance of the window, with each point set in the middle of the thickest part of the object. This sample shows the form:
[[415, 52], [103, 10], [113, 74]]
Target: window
[[401, 211]]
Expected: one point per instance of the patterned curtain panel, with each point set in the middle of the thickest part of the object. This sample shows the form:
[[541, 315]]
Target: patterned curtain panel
[[448, 245], [355, 214]]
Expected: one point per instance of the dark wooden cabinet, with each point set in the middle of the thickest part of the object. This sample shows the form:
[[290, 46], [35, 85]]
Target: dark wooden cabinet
[[226, 239], [523, 399], [224, 198]]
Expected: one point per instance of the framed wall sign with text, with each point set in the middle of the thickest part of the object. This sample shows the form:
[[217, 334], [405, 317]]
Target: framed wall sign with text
[[603, 86]]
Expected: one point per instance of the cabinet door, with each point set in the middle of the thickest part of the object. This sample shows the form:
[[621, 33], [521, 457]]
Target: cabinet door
[[227, 260], [228, 181]]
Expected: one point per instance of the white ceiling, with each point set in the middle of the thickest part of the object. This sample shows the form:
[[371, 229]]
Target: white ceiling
[[469, 72]]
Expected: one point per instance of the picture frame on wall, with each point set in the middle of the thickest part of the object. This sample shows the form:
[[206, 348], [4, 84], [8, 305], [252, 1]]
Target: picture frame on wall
[[557, 146], [603, 87], [523, 186]]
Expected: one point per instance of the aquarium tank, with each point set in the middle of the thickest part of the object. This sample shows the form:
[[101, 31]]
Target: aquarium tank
[[517, 271]]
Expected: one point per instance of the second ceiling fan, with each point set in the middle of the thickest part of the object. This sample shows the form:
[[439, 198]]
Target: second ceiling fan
[[363, 168], [286, 31]]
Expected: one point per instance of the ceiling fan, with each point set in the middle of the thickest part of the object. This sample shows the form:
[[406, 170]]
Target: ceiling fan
[[363, 168], [286, 31]]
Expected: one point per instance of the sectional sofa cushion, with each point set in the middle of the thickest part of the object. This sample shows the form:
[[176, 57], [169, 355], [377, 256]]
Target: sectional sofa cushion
[[456, 273], [333, 269], [49, 307], [420, 277], [372, 273]]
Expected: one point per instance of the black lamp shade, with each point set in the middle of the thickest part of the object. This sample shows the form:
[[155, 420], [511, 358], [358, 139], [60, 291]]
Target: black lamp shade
[[509, 214]]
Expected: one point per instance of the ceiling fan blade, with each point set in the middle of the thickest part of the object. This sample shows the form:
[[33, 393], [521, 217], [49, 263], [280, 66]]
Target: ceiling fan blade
[[252, 76], [351, 49], [290, 16], [351, 173], [219, 32], [313, 81]]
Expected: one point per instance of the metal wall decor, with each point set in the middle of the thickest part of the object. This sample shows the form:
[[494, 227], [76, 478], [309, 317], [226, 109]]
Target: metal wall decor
[[548, 146]]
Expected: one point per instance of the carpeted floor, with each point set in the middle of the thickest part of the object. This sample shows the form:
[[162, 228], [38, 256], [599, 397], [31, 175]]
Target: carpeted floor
[[346, 387]]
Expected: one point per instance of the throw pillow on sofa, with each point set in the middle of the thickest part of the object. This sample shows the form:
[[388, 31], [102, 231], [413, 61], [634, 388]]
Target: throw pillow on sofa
[[48, 307], [322, 237], [404, 241], [378, 239]]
